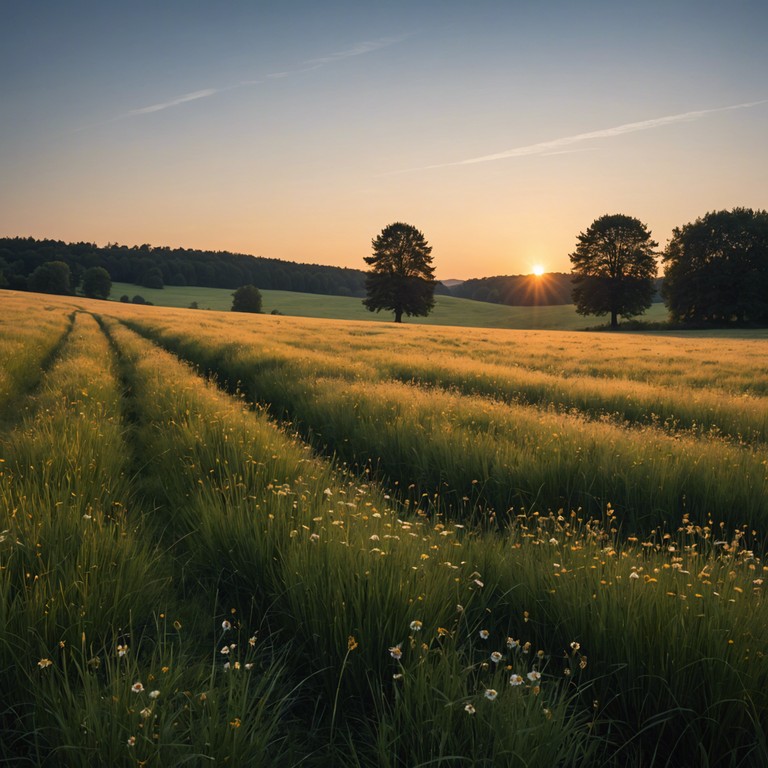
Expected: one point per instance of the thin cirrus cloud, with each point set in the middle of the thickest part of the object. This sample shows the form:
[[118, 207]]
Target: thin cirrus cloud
[[566, 144], [359, 49]]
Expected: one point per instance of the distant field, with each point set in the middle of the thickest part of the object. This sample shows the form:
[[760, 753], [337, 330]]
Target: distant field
[[448, 310], [290, 541]]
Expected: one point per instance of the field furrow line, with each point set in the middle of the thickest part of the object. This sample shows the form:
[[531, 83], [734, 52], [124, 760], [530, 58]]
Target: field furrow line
[[470, 450]]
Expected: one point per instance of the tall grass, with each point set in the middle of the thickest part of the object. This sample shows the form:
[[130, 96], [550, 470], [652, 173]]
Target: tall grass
[[466, 447], [273, 607], [30, 333], [337, 574]]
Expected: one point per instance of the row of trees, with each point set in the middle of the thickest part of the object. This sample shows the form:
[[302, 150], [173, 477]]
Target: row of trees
[[155, 267], [716, 268]]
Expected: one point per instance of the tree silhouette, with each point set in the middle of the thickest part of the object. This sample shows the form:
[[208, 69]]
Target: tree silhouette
[[401, 279], [716, 268], [97, 283], [614, 267], [247, 298]]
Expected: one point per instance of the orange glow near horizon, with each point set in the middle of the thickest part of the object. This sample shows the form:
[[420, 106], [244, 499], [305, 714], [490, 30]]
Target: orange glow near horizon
[[538, 270]]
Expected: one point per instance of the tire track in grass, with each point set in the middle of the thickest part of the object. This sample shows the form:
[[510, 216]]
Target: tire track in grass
[[25, 370], [547, 585], [76, 573], [503, 455]]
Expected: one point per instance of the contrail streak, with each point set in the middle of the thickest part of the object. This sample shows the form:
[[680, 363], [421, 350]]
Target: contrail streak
[[556, 145], [359, 49]]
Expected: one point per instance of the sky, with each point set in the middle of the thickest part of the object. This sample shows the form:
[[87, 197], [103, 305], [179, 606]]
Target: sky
[[298, 130]]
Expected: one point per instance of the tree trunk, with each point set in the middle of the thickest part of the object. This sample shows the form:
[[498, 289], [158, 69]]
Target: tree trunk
[[614, 319], [398, 315]]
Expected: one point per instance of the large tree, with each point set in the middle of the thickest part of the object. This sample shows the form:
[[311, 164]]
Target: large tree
[[614, 266], [247, 298], [401, 279], [97, 284], [51, 277], [716, 268]]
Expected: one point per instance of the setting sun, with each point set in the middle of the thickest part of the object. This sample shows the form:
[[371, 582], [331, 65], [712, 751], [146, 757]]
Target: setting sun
[[538, 270]]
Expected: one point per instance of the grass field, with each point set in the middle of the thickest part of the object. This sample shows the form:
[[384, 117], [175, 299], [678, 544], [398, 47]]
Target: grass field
[[287, 541], [448, 310]]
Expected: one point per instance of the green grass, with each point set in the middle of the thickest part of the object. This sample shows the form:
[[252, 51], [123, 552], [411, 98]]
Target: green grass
[[280, 608], [448, 310]]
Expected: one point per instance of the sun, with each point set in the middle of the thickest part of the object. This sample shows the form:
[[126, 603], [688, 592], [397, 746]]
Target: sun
[[538, 270]]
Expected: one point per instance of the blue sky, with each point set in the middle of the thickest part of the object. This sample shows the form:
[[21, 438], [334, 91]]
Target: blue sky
[[299, 130]]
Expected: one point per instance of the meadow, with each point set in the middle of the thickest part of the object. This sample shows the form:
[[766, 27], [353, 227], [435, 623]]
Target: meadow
[[448, 310], [271, 540]]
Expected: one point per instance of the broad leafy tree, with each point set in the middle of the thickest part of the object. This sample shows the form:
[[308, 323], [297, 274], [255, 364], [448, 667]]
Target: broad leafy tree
[[401, 279], [716, 268], [51, 277], [614, 267], [247, 298], [97, 283]]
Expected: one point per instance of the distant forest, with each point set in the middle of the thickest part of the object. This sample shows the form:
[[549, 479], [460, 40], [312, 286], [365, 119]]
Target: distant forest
[[155, 267]]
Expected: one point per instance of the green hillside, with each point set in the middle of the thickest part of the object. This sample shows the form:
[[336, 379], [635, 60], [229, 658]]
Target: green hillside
[[448, 310]]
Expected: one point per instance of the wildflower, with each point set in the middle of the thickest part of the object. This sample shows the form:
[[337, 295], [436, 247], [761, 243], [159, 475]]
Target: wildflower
[[495, 657], [314, 537], [249, 666], [634, 575], [533, 676], [547, 713], [515, 680], [235, 723], [146, 712], [442, 632], [177, 625], [131, 741], [164, 670], [224, 650], [396, 652], [512, 643], [137, 688], [397, 676], [575, 646], [226, 666], [490, 694], [416, 626], [351, 643], [252, 641], [226, 626], [469, 709], [154, 694], [583, 662], [122, 650], [484, 634], [44, 663]]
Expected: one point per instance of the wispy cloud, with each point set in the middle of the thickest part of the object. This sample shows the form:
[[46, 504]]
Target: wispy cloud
[[173, 102], [560, 146], [359, 49]]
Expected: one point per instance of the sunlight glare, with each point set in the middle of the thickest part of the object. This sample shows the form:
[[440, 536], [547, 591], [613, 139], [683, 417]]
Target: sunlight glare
[[538, 270]]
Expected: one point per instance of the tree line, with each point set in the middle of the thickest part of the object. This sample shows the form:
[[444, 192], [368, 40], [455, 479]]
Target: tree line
[[156, 267], [715, 269]]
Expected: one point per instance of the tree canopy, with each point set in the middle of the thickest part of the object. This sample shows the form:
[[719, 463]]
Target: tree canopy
[[716, 268], [51, 277], [614, 267], [247, 298], [401, 279], [97, 283]]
